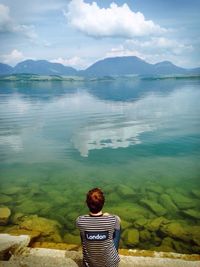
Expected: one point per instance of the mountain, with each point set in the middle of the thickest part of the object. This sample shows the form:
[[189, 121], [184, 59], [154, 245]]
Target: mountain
[[43, 67], [5, 69], [166, 68], [119, 66], [115, 66], [135, 66]]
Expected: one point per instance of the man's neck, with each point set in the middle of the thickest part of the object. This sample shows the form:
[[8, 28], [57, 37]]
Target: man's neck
[[96, 214]]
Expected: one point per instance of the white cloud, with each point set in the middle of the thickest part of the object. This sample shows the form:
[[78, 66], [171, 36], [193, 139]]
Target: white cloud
[[14, 57], [121, 51], [7, 24], [75, 62], [115, 21], [161, 43], [5, 20], [153, 50]]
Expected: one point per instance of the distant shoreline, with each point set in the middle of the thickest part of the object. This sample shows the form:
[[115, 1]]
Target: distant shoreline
[[63, 78]]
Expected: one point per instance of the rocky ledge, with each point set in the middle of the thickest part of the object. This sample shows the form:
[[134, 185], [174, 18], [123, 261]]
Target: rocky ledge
[[14, 252]]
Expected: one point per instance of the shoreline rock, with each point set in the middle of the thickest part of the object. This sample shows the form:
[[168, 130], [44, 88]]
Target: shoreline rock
[[72, 256], [5, 213]]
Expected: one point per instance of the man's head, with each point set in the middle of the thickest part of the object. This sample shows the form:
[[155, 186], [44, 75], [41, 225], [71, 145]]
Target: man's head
[[95, 200]]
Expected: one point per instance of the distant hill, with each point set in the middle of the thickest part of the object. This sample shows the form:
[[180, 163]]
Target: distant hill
[[166, 68], [5, 69], [119, 66], [43, 67], [115, 66], [136, 66]]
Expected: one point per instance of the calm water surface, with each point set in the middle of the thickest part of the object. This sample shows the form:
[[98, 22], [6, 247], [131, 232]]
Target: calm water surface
[[135, 139]]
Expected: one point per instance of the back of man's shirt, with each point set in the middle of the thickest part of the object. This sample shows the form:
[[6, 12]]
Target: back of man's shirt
[[97, 240]]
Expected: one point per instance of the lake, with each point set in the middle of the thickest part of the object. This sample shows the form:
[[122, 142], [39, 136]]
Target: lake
[[136, 139]]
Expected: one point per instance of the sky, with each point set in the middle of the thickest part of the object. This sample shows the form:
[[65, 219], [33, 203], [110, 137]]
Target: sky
[[78, 33]]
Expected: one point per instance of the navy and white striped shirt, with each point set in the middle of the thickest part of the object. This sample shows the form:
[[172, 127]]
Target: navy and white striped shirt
[[97, 240]]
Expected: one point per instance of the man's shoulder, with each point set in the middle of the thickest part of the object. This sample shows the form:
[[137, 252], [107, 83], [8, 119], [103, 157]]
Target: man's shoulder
[[112, 216], [82, 217]]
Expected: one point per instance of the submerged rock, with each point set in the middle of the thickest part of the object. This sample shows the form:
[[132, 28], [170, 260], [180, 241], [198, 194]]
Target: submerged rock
[[125, 224], [155, 224], [72, 239], [5, 199], [17, 218], [166, 201], [177, 231], [130, 237], [167, 245], [48, 229], [113, 197], [196, 193], [192, 213], [43, 225], [28, 207], [140, 223], [13, 190], [156, 188], [125, 191], [145, 235], [155, 239], [129, 212], [195, 232], [4, 215], [154, 206], [181, 201]]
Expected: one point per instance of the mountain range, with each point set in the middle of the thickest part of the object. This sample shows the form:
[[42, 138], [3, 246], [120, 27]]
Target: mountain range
[[115, 66]]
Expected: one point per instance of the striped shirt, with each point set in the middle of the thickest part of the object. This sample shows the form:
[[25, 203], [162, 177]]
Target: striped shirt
[[97, 240]]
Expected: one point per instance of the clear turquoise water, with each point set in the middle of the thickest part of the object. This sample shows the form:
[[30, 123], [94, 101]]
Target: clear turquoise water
[[59, 139]]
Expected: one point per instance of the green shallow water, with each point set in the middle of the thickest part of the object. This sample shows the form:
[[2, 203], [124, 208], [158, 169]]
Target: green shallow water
[[137, 140]]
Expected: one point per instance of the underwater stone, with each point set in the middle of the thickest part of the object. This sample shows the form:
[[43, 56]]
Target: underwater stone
[[182, 247], [182, 201], [192, 213], [167, 242], [128, 212], [45, 209], [196, 193], [28, 206], [45, 226], [154, 225], [176, 230], [12, 190], [4, 199], [140, 223], [152, 196], [176, 245], [112, 197], [155, 207], [195, 231], [54, 237], [72, 239], [17, 217], [125, 191], [4, 215], [125, 224], [155, 188], [145, 235], [155, 239], [166, 201], [130, 237]]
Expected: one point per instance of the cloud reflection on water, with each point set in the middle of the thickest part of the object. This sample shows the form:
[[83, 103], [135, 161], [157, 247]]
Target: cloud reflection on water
[[151, 113], [82, 121]]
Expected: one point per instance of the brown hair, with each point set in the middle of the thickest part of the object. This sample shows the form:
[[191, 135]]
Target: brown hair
[[95, 200]]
